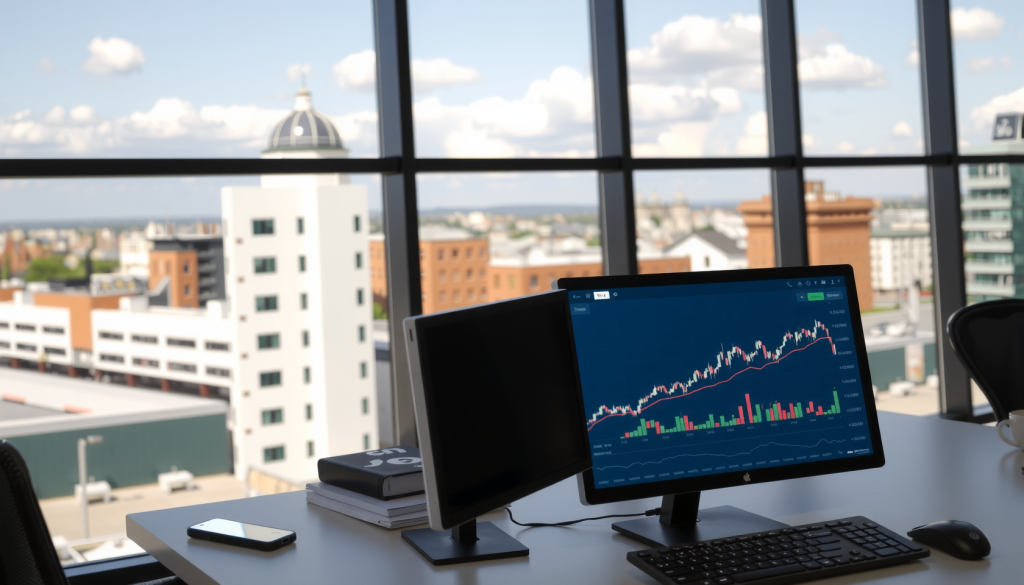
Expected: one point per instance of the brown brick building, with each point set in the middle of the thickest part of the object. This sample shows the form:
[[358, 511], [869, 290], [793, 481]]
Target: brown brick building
[[453, 269], [16, 255], [458, 271], [838, 232], [181, 267]]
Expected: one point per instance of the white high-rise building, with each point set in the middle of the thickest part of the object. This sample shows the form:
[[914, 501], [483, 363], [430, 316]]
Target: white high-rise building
[[298, 285]]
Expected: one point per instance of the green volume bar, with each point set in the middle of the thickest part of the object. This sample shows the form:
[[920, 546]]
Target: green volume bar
[[836, 407]]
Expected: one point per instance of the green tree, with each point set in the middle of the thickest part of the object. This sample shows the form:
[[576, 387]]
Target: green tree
[[378, 311], [5, 270]]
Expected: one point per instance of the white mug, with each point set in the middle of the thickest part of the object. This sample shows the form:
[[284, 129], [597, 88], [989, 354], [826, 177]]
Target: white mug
[[1016, 424]]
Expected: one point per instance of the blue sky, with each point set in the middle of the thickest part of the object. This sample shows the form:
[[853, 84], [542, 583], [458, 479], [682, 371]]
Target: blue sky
[[129, 79]]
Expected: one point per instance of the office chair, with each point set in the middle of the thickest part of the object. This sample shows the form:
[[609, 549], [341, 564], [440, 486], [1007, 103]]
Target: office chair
[[989, 340], [27, 555]]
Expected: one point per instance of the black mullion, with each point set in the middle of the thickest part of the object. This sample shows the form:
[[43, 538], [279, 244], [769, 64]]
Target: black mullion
[[784, 133], [401, 224], [187, 167], [611, 117], [940, 137]]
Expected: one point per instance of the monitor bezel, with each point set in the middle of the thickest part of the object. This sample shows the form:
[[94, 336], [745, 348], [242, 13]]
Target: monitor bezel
[[589, 494], [440, 515]]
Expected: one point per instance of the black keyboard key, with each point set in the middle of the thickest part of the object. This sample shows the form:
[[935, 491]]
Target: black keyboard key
[[723, 580], [832, 554], [857, 559], [812, 565], [828, 547], [828, 539], [831, 524], [845, 522], [886, 552], [788, 531], [826, 563], [818, 534], [643, 554], [840, 561], [871, 525], [766, 573], [789, 561]]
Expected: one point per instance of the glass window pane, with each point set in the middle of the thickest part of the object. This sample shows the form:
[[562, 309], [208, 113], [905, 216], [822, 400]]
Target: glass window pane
[[988, 65], [696, 78], [990, 108], [876, 220], [512, 80], [860, 81], [692, 221], [114, 81], [482, 239], [212, 349]]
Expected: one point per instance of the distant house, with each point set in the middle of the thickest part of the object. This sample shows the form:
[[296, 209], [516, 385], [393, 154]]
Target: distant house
[[709, 250]]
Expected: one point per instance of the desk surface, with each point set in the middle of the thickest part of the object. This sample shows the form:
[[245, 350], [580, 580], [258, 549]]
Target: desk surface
[[935, 470]]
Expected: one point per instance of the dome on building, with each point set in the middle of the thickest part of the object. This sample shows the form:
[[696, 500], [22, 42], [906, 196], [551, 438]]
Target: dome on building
[[304, 129]]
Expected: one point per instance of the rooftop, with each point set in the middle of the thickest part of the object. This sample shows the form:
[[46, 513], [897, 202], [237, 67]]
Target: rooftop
[[93, 404]]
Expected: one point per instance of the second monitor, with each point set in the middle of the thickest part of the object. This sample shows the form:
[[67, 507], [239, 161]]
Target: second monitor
[[708, 380]]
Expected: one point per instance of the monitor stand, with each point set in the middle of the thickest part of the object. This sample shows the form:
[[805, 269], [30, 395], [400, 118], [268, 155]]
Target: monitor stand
[[681, 522], [466, 543]]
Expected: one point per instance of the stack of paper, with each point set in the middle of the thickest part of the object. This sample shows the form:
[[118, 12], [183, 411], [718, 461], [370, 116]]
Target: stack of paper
[[396, 513]]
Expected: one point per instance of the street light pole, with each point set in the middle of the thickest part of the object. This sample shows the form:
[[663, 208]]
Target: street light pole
[[83, 479]]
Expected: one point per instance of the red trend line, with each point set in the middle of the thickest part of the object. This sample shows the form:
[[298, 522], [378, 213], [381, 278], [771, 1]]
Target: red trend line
[[645, 407]]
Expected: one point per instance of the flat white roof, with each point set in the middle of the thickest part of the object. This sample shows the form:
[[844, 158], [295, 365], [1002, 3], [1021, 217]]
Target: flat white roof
[[94, 404]]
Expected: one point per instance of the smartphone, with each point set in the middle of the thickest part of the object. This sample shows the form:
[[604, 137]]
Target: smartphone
[[242, 534]]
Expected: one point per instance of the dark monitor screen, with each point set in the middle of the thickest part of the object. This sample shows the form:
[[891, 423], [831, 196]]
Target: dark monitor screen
[[696, 382], [500, 402]]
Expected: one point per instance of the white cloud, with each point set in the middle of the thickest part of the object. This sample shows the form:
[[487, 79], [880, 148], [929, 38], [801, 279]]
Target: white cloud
[[914, 56], [695, 45], [837, 68], [358, 72], [45, 65], [1005, 62], [172, 123], [297, 71], [55, 116], [555, 115], [902, 130], [844, 147], [869, 151], [83, 114], [979, 65], [755, 140], [683, 139], [113, 55], [428, 75], [809, 141], [975, 24], [984, 115], [666, 103]]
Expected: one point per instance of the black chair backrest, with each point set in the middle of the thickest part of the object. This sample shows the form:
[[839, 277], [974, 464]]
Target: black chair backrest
[[27, 556], [989, 339]]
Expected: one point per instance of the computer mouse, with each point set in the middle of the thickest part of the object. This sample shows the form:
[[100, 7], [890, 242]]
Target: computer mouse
[[961, 539]]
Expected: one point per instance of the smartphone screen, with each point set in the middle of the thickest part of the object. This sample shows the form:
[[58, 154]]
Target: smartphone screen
[[241, 530]]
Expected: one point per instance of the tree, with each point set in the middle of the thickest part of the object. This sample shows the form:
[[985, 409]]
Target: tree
[[5, 270]]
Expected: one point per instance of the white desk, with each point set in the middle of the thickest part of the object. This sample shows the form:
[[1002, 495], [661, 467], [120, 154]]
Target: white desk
[[935, 470]]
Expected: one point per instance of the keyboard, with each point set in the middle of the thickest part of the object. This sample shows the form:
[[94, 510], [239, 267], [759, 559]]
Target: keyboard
[[790, 555]]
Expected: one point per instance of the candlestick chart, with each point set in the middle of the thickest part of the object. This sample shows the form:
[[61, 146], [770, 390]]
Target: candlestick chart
[[714, 385]]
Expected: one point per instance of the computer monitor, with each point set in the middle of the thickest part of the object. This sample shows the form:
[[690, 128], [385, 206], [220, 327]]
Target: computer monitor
[[705, 380], [498, 402]]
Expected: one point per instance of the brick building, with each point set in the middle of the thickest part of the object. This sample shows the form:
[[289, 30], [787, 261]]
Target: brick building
[[838, 232]]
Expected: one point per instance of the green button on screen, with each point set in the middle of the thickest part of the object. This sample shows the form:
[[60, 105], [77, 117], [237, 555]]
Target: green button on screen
[[818, 296]]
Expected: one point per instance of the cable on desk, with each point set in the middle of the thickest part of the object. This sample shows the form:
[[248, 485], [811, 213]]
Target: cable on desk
[[653, 512]]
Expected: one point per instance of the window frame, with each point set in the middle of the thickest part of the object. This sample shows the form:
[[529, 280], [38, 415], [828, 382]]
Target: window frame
[[398, 167]]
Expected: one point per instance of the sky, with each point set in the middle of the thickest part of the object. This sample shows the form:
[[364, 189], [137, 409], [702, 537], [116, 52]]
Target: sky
[[191, 79]]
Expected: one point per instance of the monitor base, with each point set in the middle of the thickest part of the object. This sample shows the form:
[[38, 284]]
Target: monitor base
[[712, 523], [467, 543]]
